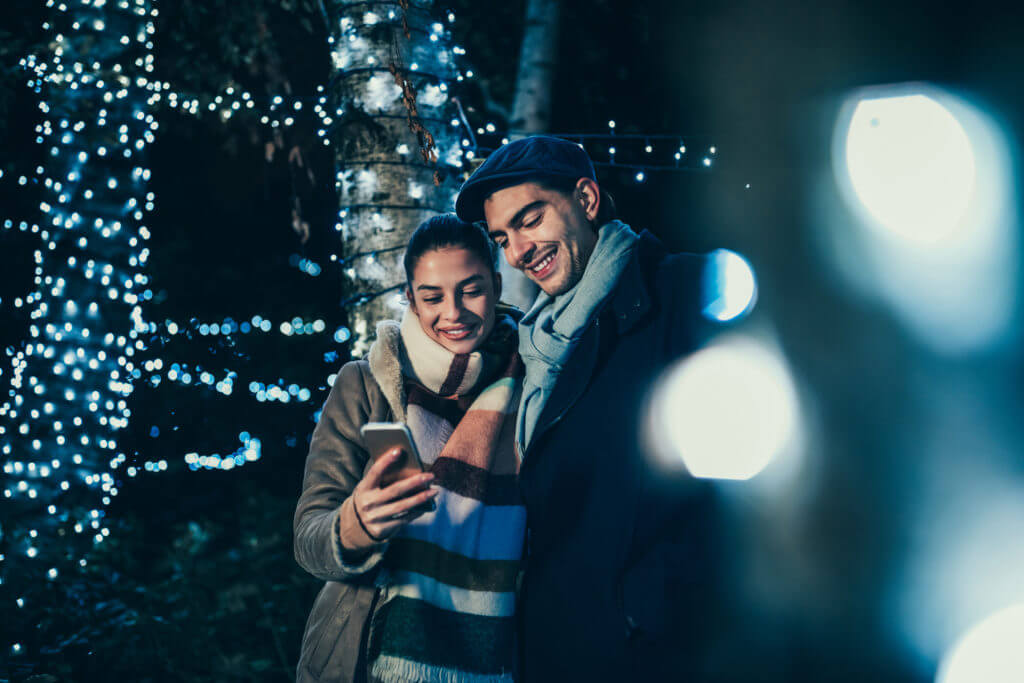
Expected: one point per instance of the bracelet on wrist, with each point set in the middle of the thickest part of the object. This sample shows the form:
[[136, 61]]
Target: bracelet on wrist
[[355, 509]]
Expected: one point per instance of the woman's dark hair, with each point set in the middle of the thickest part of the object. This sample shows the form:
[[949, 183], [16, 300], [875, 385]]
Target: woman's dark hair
[[606, 211], [446, 230]]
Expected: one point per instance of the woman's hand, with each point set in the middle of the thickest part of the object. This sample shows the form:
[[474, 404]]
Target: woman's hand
[[382, 511]]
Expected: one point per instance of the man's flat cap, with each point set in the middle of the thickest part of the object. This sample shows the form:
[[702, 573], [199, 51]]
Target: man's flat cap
[[529, 159]]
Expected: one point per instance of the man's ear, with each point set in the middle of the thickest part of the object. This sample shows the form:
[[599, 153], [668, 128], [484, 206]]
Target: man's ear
[[497, 285], [589, 196]]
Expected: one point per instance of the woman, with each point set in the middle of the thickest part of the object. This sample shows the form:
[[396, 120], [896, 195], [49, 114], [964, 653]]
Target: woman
[[414, 595]]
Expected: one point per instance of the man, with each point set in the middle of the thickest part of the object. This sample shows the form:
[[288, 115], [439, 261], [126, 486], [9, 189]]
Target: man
[[619, 582]]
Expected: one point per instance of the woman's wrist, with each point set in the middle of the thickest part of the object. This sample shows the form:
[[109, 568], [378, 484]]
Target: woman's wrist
[[354, 536], [362, 524]]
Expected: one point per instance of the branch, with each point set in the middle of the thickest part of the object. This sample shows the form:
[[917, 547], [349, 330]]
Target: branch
[[491, 104]]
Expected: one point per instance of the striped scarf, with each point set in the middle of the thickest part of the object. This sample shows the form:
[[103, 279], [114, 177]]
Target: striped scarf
[[449, 576]]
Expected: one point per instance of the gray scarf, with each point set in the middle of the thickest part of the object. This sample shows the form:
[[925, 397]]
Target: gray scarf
[[549, 332]]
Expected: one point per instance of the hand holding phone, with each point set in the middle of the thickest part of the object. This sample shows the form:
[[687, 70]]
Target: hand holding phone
[[395, 488]]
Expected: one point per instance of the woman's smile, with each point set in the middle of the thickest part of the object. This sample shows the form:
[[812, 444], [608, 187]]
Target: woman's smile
[[457, 332]]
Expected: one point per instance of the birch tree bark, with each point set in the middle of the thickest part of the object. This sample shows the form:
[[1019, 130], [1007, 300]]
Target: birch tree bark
[[397, 142], [538, 56], [531, 109]]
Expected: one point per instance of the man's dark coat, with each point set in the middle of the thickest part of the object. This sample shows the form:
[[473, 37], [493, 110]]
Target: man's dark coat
[[619, 580]]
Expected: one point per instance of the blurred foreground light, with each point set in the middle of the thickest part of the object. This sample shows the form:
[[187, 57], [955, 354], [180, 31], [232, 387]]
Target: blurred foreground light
[[928, 177], [967, 540], [730, 289], [726, 411], [992, 651], [911, 166]]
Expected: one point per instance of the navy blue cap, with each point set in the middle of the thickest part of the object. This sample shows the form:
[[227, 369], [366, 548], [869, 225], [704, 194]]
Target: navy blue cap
[[533, 158]]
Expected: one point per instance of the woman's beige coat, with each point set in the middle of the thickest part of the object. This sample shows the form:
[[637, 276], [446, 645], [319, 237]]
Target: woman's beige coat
[[364, 391]]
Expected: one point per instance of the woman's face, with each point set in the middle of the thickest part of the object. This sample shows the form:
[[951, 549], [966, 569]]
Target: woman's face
[[453, 294]]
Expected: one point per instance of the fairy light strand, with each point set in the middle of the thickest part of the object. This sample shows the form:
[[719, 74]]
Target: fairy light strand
[[67, 401]]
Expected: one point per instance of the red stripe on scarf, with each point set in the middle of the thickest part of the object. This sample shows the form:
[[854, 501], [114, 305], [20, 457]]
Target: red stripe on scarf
[[456, 373]]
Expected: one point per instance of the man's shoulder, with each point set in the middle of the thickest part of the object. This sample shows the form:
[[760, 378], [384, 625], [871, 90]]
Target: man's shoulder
[[676, 285], [658, 286], [669, 269]]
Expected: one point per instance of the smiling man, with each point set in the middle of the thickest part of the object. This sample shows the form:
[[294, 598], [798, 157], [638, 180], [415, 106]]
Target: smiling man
[[620, 581]]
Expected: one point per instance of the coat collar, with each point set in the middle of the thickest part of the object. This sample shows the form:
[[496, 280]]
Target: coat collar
[[385, 360], [630, 302], [631, 299]]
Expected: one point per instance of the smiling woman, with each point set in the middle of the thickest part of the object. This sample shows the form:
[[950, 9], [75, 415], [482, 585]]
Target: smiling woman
[[438, 585], [452, 282]]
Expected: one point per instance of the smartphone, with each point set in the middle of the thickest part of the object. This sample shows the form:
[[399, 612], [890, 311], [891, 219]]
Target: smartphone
[[381, 437]]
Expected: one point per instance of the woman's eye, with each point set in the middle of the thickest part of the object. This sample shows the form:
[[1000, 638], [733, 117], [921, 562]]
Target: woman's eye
[[532, 221], [473, 292]]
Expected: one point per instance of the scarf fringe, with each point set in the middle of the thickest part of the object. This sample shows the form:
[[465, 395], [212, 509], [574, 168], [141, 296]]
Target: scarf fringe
[[389, 669]]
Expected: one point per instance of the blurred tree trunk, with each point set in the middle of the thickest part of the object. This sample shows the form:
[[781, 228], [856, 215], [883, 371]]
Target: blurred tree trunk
[[538, 57], [531, 110], [398, 157]]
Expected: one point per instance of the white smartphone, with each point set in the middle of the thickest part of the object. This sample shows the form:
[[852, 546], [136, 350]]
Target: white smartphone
[[380, 437]]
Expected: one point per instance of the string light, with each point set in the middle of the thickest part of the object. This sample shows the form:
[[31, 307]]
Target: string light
[[641, 154], [250, 451], [88, 337], [69, 381]]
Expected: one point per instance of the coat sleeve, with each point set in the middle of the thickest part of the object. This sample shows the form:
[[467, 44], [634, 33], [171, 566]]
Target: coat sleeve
[[334, 466]]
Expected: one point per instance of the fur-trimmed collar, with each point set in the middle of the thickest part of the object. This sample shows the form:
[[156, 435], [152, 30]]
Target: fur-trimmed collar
[[385, 360]]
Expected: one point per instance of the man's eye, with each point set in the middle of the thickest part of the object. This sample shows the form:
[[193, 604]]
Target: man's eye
[[432, 300], [473, 292]]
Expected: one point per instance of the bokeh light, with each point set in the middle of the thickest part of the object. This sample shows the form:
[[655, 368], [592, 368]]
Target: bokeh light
[[926, 175], [726, 412], [911, 166], [990, 652], [968, 545], [730, 288]]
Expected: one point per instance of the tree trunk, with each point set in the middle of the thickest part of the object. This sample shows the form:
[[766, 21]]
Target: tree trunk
[[72, 376], [531, 110], [388, 181]]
